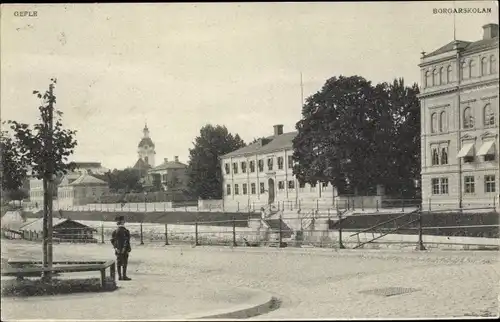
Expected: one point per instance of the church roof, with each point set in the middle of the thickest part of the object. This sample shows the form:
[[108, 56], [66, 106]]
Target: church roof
[[141, 165], [87, 179], [146, 142]]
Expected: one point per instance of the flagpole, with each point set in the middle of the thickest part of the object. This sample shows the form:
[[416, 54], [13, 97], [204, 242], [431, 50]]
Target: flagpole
[[301, 91], [454, 22]]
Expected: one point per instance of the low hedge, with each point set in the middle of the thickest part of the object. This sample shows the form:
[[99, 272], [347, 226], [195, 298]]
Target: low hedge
[[38, 287]]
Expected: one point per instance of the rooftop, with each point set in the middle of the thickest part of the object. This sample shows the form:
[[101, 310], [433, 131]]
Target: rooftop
[[87, 179], [166, 165], [146, 142], [266, 145]]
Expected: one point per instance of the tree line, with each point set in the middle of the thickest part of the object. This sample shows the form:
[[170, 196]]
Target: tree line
[[353, 134]]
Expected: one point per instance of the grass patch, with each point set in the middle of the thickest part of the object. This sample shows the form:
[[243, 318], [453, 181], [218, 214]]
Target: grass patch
[[38, 287]]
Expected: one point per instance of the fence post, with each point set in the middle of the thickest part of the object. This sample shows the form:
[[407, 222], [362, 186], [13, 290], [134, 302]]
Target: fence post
[[154, 207], [164, 206], [347, 203], [142, 239], [341, 245], [280, 232], [238, 206], [402, 205], [137, 204], [420, 245], [253, 205], [377, 205], [196, 232], [429, 204], [102, 233], [234, 232], [362, 204], [210, 208], [166, 235], [353, 204], [317, 205]]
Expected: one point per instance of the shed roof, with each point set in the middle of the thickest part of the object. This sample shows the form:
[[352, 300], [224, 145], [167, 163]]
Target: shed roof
[[37, 225]]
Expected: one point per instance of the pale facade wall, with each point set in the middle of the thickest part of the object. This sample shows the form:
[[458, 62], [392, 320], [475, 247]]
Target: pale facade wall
[[286, 186], [467, 88]]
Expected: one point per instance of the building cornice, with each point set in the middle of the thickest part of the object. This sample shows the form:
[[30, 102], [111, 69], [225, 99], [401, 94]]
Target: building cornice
[[437, 61], [451, 89]]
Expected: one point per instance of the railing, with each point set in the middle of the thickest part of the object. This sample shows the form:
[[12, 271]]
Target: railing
[[315, 229]]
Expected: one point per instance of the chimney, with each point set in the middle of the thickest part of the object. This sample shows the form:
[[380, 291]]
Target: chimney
[[176, 159], [278, 129], [490, 31], [165, 159]]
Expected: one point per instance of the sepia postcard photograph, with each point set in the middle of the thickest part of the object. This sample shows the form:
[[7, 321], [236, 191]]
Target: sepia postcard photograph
[[250, 160]]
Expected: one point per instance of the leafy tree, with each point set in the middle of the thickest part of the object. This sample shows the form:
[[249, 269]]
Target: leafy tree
[[356, 135], [14, 171], [45, 148], [204, 169], [127, 180]]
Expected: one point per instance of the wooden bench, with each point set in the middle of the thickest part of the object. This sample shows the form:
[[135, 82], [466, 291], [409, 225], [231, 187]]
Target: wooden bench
[[18, 270]]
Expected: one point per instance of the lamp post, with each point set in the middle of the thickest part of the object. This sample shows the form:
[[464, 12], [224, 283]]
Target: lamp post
[[145, 201]]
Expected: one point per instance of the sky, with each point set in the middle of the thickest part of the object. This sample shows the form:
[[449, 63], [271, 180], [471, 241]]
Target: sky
[[181, 66]]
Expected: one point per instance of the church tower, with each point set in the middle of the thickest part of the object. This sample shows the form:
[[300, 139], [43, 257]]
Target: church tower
[[146, 148]]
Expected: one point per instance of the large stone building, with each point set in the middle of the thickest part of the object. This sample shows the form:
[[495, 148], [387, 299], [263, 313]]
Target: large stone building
[[459, 123], [261, 173]]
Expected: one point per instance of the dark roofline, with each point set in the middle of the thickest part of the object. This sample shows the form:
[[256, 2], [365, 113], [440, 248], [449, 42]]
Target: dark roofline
[[259, 149]]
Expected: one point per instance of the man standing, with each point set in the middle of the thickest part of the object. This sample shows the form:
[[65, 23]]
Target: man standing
[[120, 239]]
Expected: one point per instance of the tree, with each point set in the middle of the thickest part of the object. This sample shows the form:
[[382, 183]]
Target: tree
[[356, 135], [127, 180], [14, 171], [45, 148], [204, 169]]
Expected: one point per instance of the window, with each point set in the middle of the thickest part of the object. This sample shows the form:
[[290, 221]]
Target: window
[[484, 66], [471, 68], [468, 118], [435, 156], [463, 70], [252, 166], [252, 188], [324, 184], [441, 75], [493, 66], [262, 187], [291, 185], [489, 157], [444, 186], [428, 79], [435, 186], [290, 162], [434, 77], [448, 75], [281, 185], [270, 164], [434, 122], [236, 189], [235, 167], [280, 163], [469, 184], [489, 115], [243, 167], [228, 189], [244, 188], [444, 155], [489, 183], [261, 165], [443, 122]]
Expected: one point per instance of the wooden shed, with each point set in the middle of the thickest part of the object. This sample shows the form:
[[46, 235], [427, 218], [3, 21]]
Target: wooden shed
[[64, 230]]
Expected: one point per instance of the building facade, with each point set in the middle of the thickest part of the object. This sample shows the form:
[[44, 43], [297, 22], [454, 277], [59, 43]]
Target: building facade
[[170, 175], [262, 173], [460, 123], [81, 190], [36, 185]]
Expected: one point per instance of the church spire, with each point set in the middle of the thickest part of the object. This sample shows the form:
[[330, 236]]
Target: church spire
[[146, 130]]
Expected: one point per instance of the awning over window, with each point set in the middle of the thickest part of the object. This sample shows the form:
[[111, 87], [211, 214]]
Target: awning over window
[[466, 150], [488, 147]]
